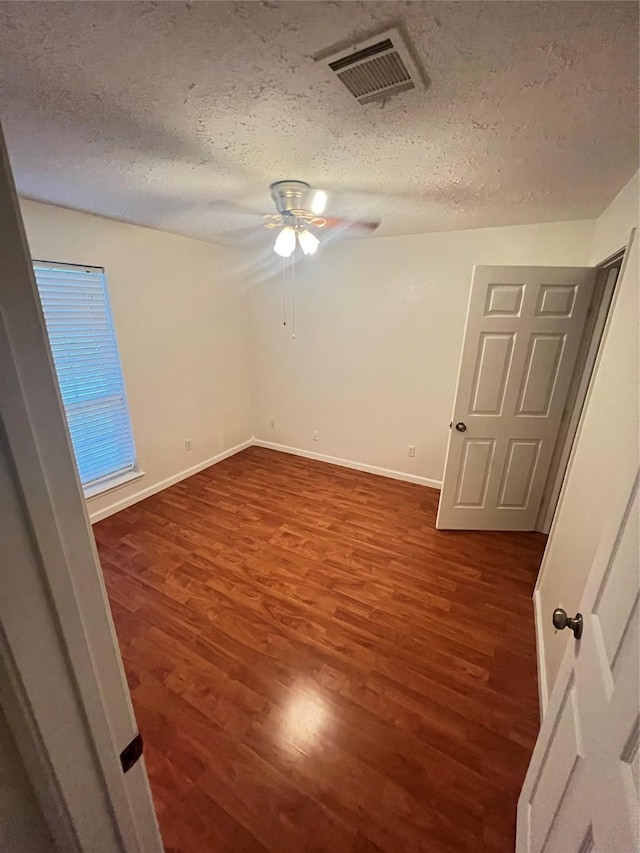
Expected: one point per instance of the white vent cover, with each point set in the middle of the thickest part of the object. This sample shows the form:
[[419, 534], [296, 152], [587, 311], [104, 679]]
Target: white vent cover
[[377, 68]]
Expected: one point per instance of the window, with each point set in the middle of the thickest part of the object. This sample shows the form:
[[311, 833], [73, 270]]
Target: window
[[76, 311]]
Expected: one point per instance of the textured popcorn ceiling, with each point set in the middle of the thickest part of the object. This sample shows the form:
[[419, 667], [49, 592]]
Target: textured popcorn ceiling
[[175, 115]]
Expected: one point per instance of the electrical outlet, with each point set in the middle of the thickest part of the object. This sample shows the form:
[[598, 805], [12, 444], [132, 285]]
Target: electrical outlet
[[187, 444], [411, 451], [315, 435], [272, 423]]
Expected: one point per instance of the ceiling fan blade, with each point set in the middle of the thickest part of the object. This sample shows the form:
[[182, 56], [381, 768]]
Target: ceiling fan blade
[[344, 224]]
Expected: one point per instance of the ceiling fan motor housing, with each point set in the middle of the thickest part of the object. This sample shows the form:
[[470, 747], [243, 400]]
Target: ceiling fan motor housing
[[288, 195]]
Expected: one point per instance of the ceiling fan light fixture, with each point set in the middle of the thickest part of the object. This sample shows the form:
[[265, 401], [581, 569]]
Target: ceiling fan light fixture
[[285, 242], [308, 242]]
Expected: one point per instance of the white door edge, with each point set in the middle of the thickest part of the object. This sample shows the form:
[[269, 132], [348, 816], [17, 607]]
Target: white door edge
[[538, 616], [66, 584]]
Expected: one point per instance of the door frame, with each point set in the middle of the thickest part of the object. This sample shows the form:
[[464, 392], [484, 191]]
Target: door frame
[[624, 252], [599, 309], [54, 611]]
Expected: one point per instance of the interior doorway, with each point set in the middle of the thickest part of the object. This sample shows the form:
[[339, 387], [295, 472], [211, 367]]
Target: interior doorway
[[529, 351], [607, 277], [524, 330]]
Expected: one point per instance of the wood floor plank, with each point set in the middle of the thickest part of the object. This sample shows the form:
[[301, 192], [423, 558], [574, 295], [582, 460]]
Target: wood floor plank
[[314, 667]]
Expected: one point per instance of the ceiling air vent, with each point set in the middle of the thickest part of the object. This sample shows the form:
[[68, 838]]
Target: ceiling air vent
[[377, 68]]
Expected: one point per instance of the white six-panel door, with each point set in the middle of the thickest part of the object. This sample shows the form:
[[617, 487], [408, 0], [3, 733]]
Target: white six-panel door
[[523, 332], [582, 790]]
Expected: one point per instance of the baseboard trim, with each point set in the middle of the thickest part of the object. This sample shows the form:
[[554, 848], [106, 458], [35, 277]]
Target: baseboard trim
[[542, 668], [347, 463], [98, 515], [106, 511]]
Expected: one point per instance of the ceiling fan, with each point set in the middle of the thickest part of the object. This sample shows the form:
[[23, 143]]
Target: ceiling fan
[[300, 213]]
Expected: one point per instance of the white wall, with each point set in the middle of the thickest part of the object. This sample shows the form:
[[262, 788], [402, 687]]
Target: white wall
[[612, 227], [180, 316], [606, 443], [379, 330]]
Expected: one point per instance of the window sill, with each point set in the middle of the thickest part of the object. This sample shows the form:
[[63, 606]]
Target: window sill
[[98, 489]]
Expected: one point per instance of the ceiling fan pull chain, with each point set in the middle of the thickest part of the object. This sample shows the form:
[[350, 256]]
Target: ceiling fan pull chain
[[284, 291], [293, 294]]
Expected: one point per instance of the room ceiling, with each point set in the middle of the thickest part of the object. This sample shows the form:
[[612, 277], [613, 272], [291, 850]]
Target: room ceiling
[[177, 115]]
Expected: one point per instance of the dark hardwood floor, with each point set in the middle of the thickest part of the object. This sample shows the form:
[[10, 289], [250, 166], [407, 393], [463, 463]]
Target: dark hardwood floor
[[315, 668]]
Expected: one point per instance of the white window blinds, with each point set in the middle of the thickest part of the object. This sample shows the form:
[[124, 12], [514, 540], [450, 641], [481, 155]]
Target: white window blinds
[[76, 311]]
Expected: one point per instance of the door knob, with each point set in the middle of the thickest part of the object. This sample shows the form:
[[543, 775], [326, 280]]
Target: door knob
[[461, 427], [562, 621]]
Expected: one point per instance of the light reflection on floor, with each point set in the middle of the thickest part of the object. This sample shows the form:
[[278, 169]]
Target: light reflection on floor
[[305, 719]]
